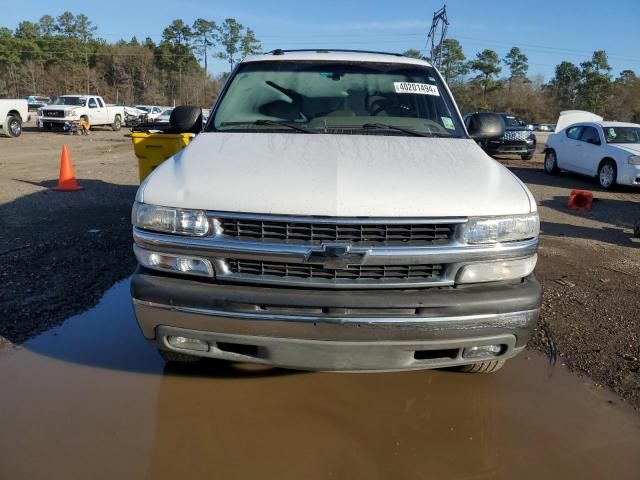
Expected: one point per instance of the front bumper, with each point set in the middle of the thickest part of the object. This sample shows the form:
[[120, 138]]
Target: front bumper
[[630, 175], [519, 148], [57, 120], [337, 330]]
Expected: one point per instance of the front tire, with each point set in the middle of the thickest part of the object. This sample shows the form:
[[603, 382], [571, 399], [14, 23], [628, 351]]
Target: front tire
[[483, 367], [607, 174], [551, 163], [117, 123], [13, 126]]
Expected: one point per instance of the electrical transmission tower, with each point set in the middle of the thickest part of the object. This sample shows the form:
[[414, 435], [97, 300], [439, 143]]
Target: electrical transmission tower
[[437, 34]]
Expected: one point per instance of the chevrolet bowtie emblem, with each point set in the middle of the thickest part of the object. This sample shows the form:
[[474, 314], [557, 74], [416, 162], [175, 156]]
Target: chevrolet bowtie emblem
[[336, 255]]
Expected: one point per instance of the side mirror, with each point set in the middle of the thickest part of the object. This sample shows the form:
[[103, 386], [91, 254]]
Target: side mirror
[[186, 119], [485, 126]]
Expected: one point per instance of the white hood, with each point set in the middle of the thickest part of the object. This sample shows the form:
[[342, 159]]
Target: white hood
[[569, 117], [632, 148], [336, 175]]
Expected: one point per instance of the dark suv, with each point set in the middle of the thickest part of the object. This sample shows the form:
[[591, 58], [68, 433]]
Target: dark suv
[[517, 138]]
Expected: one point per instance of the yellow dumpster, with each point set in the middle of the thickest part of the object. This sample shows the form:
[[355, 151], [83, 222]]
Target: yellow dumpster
[[152, 149]]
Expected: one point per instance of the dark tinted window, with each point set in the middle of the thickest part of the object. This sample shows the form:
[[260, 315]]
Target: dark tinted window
[[92, 102], [511, 121], [622, 134], [574, 132], [100, 102], [590, 135]]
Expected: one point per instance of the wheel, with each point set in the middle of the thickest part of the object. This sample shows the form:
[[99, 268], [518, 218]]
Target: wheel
[[483, 367], [175, 357], [117, 123], [550, 163], [607, 173], [527, 156], [13, 126]]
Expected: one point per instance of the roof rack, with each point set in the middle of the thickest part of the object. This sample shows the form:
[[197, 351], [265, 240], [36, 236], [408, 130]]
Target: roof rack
[[280, 51]]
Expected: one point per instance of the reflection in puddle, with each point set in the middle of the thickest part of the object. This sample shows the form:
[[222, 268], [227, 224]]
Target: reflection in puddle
[[91, 399]]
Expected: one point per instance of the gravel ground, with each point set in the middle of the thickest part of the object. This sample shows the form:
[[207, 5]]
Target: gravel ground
[[59, 252]]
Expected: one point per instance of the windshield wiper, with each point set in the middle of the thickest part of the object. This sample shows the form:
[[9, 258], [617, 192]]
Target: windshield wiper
[[384, 126], [272, 122]]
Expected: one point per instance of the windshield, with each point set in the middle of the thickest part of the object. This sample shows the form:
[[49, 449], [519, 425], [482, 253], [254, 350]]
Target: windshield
[[622, 134], [70, 101], [327, 97], [511, 121]]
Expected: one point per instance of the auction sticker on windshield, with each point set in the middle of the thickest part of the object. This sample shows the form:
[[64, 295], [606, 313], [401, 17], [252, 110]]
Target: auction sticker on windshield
[[418, 88]]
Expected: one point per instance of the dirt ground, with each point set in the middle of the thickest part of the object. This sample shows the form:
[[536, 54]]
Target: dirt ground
[[59, 252]]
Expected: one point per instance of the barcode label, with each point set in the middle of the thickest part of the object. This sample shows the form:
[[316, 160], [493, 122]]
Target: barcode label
[[417, 88]]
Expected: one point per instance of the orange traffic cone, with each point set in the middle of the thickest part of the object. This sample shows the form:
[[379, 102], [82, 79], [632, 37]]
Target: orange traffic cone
[[67, 180], [580, 200]]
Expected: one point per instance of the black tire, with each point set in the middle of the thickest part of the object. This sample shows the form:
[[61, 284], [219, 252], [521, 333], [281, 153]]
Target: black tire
[[526, 156], [607, 174], [551, 163], [636, 229], [117, 123], [13, 126], [483, 367], [48, 127], [175, 357]]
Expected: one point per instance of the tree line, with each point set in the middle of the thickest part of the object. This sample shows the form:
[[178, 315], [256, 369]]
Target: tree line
[[54, 56], [488, 82]]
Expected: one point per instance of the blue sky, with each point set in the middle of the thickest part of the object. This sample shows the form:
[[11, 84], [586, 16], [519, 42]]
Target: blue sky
[[547, 31]]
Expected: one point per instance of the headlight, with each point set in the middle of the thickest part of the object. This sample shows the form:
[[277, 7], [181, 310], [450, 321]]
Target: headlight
[[502, 229], [633, 159], [73, 113], [170, 220], [496, 271]]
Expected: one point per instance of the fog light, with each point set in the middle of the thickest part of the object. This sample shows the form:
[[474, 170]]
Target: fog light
[[495, 271], [483, 351], [173, 263], [187, 343]]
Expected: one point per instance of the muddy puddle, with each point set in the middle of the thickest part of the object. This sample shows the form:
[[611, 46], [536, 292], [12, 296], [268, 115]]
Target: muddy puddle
[[91, 400]]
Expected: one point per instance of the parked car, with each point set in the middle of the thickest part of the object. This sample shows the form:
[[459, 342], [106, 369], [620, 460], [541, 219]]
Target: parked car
[[75, 108], [517, 139], [34, 102], [13, 113], [608, 151], [164, 116], [340, 217], [153, 111]]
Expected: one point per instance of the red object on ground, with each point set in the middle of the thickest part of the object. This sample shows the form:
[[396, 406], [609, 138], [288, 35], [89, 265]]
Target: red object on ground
[[67, 179], [580, 200]]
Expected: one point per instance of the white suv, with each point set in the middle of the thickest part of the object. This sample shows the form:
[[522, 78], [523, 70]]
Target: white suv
[[335, 214]]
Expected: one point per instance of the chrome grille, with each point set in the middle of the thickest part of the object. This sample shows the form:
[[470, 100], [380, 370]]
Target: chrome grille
[[317, 232], [516, 135], [349, 273]]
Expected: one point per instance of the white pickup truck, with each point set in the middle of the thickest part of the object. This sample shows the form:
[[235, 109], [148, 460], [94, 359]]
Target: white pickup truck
[[73, 108], [336, 214], [12, 114]]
